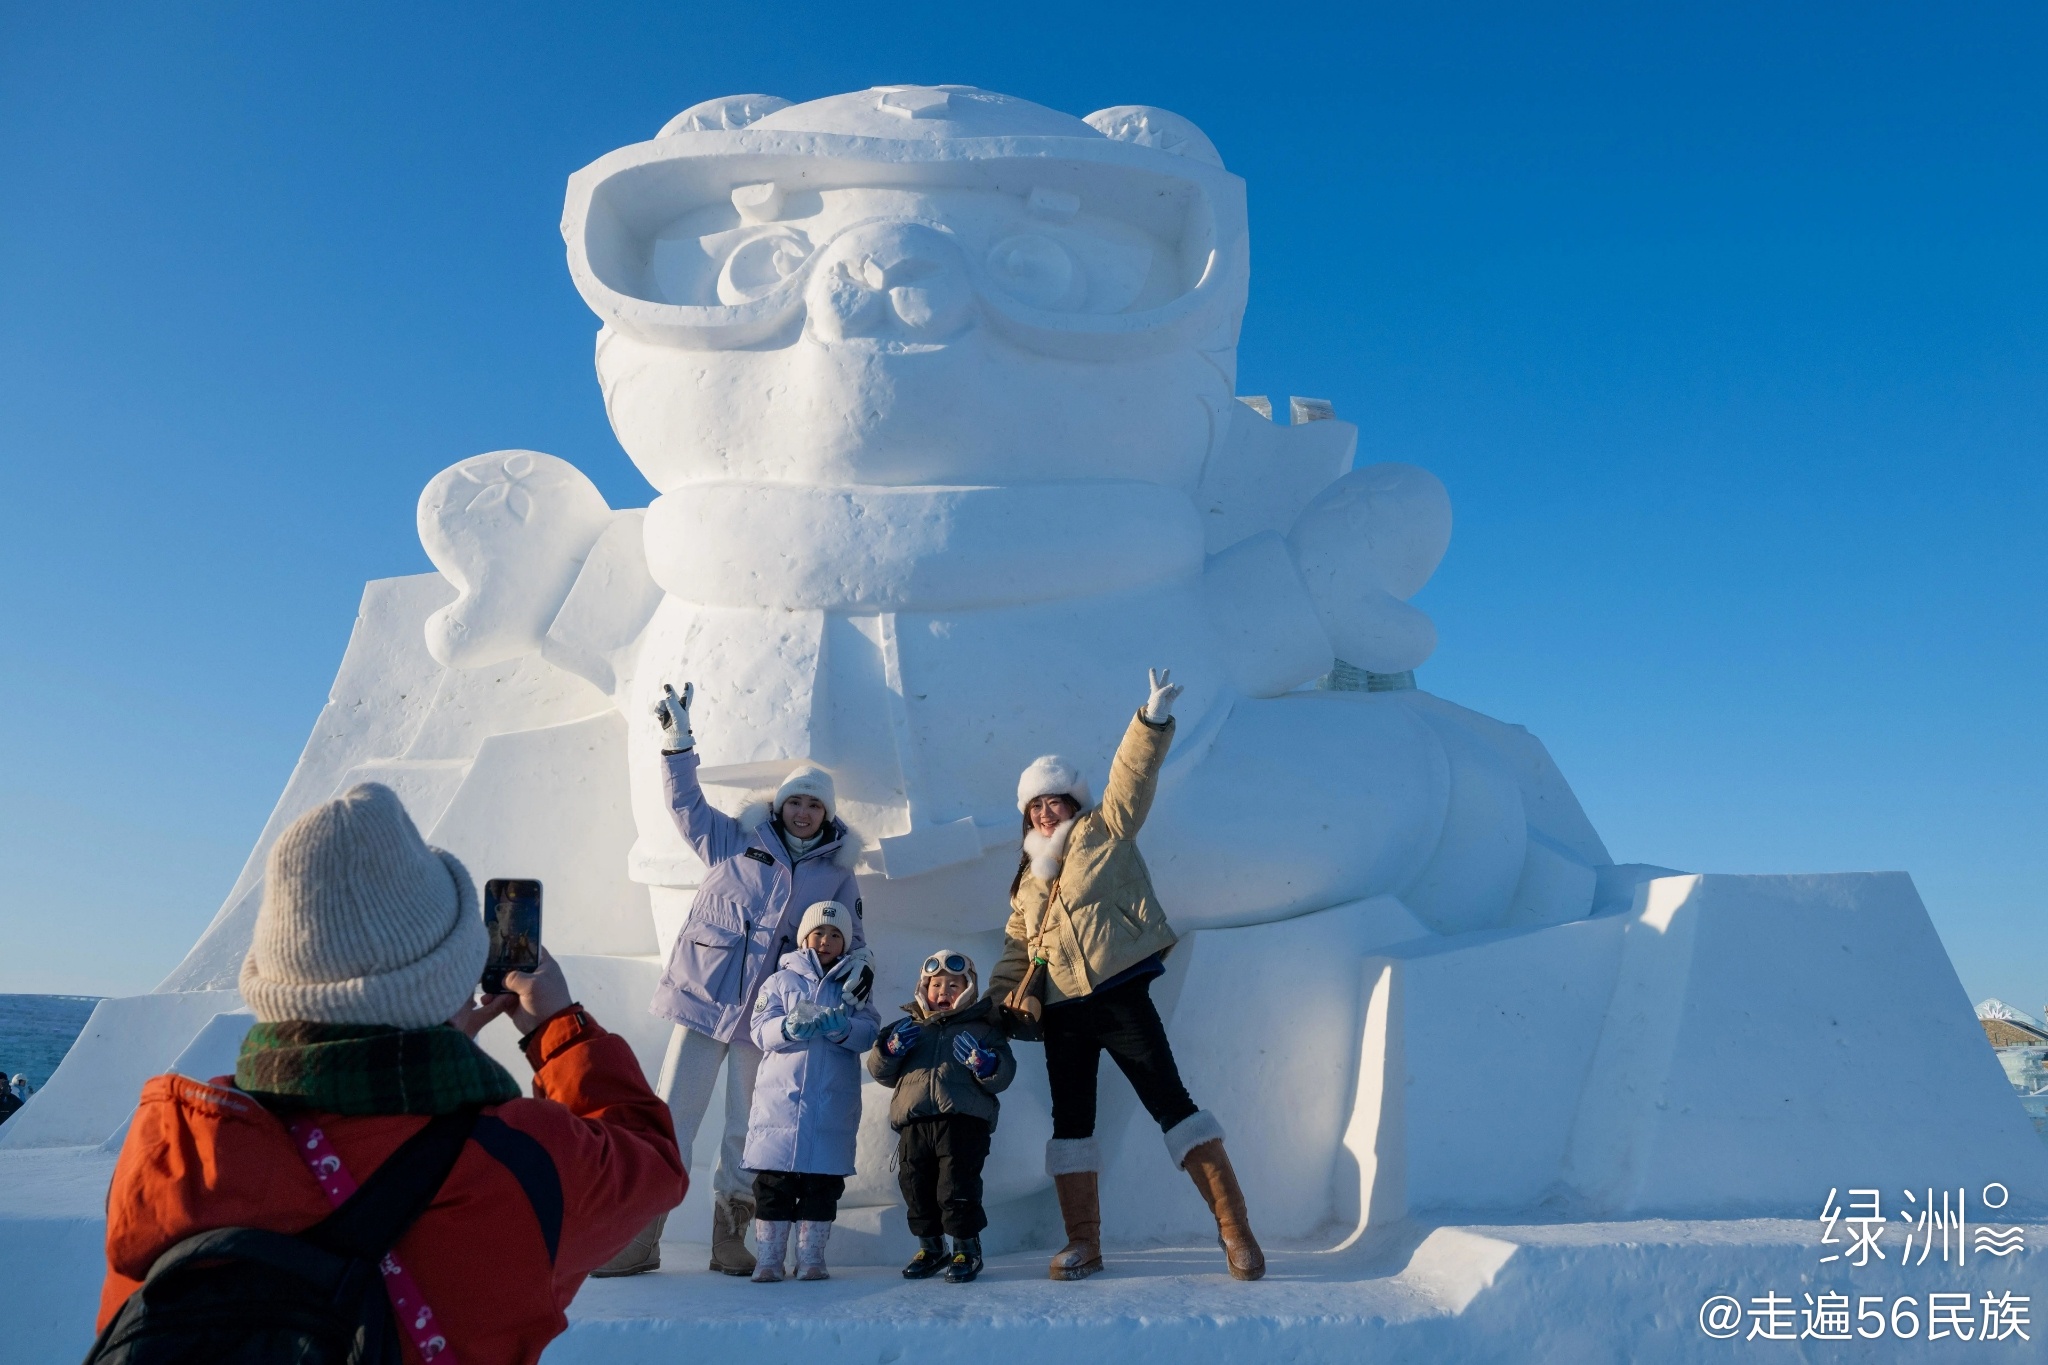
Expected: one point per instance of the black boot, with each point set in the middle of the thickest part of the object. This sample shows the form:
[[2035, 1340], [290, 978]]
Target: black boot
[[966, 1260], [929, 1261]]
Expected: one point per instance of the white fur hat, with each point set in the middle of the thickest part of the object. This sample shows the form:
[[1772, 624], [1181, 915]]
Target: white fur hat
[[1051, 775], [826, 915], [809, 780], [362, 922]]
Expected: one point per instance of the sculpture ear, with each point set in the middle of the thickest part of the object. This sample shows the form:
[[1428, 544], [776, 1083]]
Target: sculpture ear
[[723, 114], [509, 531], [1153, 127]]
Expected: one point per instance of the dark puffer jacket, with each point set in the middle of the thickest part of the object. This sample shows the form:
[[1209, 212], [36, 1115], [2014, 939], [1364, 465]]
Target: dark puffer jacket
[[928, 1081]]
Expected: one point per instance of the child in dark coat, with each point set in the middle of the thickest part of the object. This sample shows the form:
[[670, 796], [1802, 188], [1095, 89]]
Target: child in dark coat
[[946, 1061]]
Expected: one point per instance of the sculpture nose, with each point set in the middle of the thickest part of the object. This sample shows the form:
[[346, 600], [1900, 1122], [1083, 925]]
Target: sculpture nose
[[891, 280]]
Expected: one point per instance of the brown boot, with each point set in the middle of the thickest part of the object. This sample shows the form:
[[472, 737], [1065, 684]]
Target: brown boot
[[730, 1216], [641, 1255], [1081, 1210], [1209, 1166]]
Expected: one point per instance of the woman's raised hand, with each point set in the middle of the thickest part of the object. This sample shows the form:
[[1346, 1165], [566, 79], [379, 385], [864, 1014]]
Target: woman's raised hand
[[673, 714], [1159, 706]]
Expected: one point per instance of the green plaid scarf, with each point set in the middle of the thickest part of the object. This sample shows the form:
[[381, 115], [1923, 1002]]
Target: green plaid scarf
[[369, 1069]]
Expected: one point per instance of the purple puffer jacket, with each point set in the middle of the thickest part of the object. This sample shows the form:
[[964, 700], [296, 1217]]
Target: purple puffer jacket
[[806, 1112], [746, 913]]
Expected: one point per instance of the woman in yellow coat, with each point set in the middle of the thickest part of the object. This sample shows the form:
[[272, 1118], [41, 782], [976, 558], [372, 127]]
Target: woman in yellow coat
[[1085, 938]]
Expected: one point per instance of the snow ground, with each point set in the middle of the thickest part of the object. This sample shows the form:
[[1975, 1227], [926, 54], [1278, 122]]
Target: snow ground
[[1573, 1293]]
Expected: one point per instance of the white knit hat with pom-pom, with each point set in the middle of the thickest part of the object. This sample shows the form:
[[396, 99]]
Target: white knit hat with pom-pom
[[1051, 775], [362, 922]]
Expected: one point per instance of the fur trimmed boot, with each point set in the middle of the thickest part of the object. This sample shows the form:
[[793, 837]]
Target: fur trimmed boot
[[1196, 1145], [730, 1214], [1073, 1163], [773, 1239], [810, 1250], [641, 1255]]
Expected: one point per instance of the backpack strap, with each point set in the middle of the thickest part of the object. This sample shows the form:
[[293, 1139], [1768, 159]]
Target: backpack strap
[[398, 1191], [310, 1264]]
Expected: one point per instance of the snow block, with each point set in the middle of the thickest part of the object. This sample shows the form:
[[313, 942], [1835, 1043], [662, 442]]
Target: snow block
[[1771, 1038], [1730, 1047], [123, 1044]]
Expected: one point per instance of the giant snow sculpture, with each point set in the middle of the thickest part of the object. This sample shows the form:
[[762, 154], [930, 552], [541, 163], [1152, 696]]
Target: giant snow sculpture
[[935, 390]]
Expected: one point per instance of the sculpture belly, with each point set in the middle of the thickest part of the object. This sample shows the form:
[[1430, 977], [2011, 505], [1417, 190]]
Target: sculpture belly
[[924, 717]]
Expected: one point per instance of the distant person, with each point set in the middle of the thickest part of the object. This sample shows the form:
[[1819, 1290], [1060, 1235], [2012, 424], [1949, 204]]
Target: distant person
[[367, 952], [805, 1121], [946, 1059], [20, 1087], [12, 1098], [764, 868], [1086, 936]]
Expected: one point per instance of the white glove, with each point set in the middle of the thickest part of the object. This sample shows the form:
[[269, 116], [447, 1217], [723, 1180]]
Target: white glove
[[1159, 706], [673, 714]]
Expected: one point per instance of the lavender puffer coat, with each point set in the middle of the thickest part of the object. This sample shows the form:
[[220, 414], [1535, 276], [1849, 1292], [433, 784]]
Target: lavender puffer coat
[[746, 913], [806, 1113]]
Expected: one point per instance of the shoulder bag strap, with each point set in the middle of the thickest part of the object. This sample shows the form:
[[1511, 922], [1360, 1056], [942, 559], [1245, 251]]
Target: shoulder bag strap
[[397, 1192]]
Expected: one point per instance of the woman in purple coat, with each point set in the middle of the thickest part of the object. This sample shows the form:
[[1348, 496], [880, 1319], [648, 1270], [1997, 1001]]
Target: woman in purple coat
[[765, 868]]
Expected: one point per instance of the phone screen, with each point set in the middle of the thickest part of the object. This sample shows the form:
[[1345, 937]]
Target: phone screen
[[512, 915]]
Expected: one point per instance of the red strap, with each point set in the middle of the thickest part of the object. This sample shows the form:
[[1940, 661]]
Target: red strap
[[407, 1303]]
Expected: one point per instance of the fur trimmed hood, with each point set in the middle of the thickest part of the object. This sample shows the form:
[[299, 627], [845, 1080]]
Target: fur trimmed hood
[[760, 810]]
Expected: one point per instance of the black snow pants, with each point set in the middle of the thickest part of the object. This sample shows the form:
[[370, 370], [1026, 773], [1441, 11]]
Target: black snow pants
[[938, 1167], [1122, 1022]]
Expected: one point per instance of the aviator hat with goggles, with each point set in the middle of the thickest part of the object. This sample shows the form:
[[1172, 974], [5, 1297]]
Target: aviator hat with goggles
[[1117, 234]]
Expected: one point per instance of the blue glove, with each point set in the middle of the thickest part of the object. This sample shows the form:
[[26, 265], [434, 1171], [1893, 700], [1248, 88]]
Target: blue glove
[[797, 1030], [903, 1036], [833, 1021], [976, 1058]]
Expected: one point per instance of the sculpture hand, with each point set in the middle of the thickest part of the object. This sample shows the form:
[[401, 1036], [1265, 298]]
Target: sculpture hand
[[1159, 706], [672, 713]]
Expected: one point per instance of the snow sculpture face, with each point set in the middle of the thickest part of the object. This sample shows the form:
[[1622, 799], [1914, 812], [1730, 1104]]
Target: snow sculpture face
[[913, 285]]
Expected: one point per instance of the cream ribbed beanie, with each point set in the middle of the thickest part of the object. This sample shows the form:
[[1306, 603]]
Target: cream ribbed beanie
[[362, 922]]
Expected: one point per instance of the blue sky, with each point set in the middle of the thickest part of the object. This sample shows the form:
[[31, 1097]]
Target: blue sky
[[1727, 329]]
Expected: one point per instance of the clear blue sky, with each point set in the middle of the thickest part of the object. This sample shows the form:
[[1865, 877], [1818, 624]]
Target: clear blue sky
[[1727, 329]]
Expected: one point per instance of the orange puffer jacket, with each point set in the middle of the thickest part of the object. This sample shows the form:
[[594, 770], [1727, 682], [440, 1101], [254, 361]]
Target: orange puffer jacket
[[547, 1190]]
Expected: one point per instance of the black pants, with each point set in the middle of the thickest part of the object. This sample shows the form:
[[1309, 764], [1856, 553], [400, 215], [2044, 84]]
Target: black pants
[[797, 1196], [938, 1167], [1122, 1022]]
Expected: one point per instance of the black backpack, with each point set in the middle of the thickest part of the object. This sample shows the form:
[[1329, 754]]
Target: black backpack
[[244, 1296]]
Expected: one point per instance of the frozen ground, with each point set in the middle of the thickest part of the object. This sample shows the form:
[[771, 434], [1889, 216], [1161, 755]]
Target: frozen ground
[[1577, 1293]]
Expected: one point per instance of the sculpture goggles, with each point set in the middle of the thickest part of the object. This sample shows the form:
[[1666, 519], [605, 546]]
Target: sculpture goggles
[[1092, 249]]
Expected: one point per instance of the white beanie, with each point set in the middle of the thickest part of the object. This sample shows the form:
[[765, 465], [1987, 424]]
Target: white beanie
[[826, 914], [809, 780], [1051, 775], [362, 922]]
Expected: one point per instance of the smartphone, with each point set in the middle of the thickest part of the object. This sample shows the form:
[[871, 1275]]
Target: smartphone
[[512, 915]]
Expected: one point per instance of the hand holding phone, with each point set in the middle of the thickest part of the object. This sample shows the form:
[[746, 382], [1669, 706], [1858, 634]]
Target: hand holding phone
[[512, 917], [537, 996]]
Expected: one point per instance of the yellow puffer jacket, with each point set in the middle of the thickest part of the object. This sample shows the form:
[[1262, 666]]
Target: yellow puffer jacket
[[1103, 916]]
